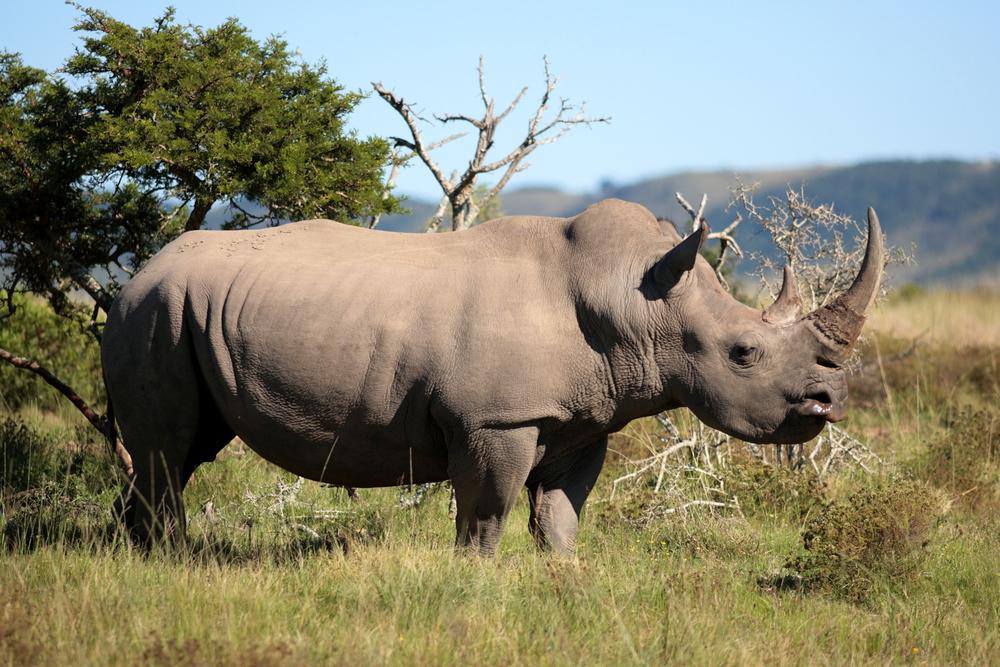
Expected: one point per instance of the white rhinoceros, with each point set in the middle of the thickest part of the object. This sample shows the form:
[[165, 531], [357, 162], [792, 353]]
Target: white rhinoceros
[[500, 358]]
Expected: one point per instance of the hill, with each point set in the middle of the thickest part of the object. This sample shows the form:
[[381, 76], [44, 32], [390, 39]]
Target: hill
[[950, 210]]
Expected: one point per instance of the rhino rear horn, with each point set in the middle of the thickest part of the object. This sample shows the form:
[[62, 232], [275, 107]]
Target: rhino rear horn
[[680, 258], [787, 308], [839, 323]]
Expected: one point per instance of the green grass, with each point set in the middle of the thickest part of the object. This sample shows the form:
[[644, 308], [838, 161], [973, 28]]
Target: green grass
[[905, 568], [411, 599]]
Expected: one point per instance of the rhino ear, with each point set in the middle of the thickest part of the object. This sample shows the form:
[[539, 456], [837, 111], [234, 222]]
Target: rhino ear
[[680, 259]]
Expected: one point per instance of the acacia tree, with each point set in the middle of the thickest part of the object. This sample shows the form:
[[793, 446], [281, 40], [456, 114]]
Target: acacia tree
[[143, 131], [459, 190]]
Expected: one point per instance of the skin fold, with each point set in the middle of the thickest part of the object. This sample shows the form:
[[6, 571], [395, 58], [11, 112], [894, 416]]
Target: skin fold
[[499, 357]]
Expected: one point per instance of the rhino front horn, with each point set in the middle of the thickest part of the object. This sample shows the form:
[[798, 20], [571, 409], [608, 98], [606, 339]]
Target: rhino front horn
[[787, 308], [839, 323]]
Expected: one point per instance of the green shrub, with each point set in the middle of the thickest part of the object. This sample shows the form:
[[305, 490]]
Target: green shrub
[[965, 460], [776, 492], [30, 457], [60, 344], [51, 513], [875, 536]]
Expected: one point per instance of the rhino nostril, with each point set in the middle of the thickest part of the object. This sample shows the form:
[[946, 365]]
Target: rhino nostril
[[820, 397]]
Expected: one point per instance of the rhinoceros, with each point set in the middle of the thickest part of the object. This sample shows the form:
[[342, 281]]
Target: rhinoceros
[[500, 358]]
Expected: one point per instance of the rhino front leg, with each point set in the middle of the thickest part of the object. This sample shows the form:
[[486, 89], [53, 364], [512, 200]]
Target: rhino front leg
[[487, 472], [557, 497]]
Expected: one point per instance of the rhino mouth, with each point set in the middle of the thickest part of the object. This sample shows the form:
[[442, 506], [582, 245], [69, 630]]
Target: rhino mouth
[[821, 406]]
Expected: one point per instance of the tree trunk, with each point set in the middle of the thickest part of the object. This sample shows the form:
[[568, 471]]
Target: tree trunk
[[463, 211], [202, 205]]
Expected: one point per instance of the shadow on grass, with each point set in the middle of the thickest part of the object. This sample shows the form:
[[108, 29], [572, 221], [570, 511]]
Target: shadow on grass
[[54, 516]]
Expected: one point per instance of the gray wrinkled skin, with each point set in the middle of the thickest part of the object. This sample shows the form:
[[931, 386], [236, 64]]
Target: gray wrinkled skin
[[500, 358]]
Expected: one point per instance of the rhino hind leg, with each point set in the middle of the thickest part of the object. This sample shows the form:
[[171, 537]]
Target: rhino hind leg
[[557, 497], [151, 506], [487, 472], [170, 425]]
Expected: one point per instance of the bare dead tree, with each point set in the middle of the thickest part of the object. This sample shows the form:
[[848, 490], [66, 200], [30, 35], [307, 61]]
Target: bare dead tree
[[398, 160], [458, 189]]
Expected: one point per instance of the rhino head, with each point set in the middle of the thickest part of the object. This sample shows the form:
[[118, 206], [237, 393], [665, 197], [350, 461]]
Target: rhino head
[[774, 376]]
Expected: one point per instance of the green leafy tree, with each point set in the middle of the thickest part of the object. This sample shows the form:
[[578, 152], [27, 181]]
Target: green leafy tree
[[144, 130]]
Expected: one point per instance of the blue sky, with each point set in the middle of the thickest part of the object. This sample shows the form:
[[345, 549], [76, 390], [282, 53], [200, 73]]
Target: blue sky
[[689, 85]]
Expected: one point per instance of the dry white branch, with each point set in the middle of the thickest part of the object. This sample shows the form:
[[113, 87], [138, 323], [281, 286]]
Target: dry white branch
[[725, 238], [459, 190], [417, 144], [397, 161], [697, 217]]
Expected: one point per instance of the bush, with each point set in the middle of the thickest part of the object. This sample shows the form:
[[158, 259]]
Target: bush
[[775, 491], [965, 460], [29, 458], [876, 535], [51, 513], [58, 343]]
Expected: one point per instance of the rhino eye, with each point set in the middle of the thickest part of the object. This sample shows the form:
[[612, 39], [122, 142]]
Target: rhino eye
[[745, 354]]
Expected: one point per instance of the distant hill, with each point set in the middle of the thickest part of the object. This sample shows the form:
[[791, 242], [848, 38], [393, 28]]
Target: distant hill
[[949, 209]]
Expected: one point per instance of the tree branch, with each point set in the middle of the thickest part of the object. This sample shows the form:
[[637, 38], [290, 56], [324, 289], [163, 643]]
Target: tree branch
[[97, 421], [398, 160], [725, 238], [417, 145], [697, 217], [202, 205], [83, 279]]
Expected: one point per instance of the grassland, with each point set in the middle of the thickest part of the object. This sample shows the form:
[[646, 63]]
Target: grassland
[[902, 567]]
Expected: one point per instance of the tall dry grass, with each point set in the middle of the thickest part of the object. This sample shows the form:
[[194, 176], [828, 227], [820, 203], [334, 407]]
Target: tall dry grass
[[962, 318]]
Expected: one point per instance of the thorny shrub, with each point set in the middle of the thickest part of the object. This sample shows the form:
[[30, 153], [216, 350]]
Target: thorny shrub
[[965, 460], [812, 238], [775, 491], [29, 457], [51, 513], [875, 536]]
